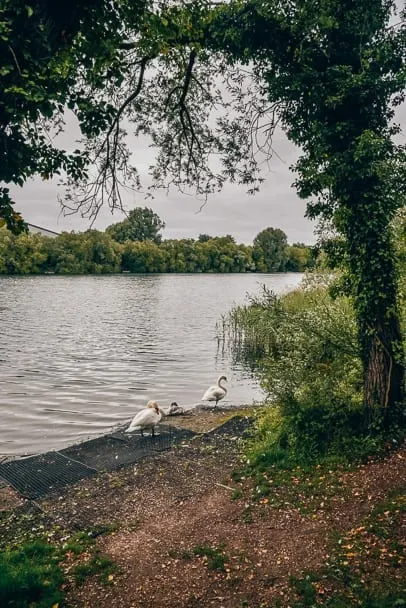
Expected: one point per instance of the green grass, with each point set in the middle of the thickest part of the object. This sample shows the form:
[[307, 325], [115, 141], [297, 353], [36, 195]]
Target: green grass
[[303, 487], [98, 564], [30, 577], [216, 558], [365, 565]]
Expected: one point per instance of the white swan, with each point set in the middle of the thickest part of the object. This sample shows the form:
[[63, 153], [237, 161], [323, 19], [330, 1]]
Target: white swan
[[175, 409], [217, 392], [147, 418]]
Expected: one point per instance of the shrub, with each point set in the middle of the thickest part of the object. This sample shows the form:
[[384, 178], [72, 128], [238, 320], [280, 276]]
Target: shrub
[[303, 346]]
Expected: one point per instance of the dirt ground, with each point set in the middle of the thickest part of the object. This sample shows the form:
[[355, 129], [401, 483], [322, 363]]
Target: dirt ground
[[173, 513]]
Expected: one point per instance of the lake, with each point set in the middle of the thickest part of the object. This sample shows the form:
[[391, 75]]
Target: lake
[[82, 354]]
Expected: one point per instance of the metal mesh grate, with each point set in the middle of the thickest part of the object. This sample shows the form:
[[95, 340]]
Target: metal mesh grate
[[119, 448], [38, 475]]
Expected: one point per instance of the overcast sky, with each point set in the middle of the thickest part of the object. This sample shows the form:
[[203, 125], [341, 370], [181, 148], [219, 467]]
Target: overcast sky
[[231, 211]]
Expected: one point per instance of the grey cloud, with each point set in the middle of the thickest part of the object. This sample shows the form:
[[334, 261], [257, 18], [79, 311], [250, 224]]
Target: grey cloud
[[231, 211]]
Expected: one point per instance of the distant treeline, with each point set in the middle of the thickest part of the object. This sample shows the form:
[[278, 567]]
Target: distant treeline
[[95, 252]]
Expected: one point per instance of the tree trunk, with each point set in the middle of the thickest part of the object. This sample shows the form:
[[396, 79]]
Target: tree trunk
[[384, 370], [373, 269]]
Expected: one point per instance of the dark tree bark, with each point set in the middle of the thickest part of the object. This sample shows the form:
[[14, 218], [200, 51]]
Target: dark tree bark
[[372, 262], [384, 373]]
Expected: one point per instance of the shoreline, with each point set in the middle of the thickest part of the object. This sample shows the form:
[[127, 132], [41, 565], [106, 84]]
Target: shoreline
[[36, 476], [187, 528], [196, 418]]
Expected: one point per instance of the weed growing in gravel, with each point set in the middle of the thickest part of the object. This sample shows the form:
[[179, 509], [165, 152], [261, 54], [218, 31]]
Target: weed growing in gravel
[[216, 558], [98, 564]]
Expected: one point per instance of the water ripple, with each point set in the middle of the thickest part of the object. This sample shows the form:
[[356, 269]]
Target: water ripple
[[81, 354]]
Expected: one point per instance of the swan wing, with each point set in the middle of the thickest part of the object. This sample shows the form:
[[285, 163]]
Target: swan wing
[[214, 393], [208, 395], [146, 417]]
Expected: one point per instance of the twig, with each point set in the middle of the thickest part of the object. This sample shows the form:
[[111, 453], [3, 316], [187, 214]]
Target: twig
[[224, 486], [15, 59]]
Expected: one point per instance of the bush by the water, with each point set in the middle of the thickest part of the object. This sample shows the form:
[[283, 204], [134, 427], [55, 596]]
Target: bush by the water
[[303, 345]]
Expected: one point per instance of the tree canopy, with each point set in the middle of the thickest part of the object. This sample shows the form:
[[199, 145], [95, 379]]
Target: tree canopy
[[330, 72], [141, 224], [50, 56], [95, 252], [270, 246]]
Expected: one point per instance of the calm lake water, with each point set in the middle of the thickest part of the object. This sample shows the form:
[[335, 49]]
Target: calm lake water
[[79, 355]]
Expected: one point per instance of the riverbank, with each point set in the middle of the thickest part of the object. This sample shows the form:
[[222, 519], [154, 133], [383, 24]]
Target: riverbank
[[80, 371], [187, 528]]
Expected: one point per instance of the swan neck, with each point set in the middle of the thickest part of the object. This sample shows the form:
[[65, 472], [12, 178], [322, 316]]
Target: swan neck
[[220, 385]]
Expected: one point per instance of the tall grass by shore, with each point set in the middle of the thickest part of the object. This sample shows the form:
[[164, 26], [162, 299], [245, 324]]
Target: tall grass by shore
[[303, 347]]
